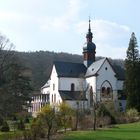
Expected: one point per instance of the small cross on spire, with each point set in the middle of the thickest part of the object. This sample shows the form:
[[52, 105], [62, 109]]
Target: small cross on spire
[[89, 25]]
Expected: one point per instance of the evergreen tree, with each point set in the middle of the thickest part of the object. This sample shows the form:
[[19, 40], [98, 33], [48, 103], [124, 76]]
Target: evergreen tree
[[132, 76]]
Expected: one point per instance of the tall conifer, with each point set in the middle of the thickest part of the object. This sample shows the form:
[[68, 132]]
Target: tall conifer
[[132, 74]]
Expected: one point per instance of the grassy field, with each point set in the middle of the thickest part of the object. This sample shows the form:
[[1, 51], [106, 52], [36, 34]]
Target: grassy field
[[119, 132], [9, 135]]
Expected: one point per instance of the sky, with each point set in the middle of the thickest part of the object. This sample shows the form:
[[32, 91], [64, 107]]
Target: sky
[[61, 25]]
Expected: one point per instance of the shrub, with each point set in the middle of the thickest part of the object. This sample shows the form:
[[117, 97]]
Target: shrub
[[27, 120], [132, 112], [5, 127], [104, 113], [21, 125], [132, 115], [1, 120], [37, 129]]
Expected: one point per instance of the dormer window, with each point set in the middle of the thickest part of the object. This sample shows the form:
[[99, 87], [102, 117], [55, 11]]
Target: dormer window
[[72, 87]]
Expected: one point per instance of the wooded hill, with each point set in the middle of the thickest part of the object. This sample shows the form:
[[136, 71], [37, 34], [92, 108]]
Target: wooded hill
[[40, 64]]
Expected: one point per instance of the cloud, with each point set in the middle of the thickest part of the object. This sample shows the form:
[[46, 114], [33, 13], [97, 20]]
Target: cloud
[[65, 20], [10, 16], [110, 38]]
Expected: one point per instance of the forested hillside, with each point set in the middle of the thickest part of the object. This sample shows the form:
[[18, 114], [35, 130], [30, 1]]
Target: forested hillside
[[40, 63]]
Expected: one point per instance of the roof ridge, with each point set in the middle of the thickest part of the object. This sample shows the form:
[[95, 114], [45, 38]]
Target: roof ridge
[[67, 62]]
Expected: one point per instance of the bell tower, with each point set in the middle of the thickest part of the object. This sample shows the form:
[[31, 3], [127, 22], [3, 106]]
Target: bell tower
[[89, 48]]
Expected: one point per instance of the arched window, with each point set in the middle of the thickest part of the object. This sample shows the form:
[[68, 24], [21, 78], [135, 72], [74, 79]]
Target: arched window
[[103, 89], [108, 90], [72, 87]]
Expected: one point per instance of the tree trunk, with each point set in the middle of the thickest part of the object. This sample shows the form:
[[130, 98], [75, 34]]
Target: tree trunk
[[49, 131], [94, 115], [77, 117], [94, 123]]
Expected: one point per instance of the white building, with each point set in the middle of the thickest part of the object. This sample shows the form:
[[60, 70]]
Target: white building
[[79, 84]]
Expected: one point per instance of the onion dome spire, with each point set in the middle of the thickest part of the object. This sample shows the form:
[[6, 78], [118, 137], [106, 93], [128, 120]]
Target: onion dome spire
[[89, 48], [89, 34]]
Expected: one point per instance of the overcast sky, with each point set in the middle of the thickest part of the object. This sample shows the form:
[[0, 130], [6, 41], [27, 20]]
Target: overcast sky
[[61, 25]]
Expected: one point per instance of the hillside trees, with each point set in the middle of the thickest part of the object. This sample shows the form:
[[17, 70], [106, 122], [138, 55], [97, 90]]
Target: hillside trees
[[14, 81], [132, 76]]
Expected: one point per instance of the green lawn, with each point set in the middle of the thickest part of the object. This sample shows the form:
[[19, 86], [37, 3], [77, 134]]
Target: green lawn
[[10, 135], [120, 132]]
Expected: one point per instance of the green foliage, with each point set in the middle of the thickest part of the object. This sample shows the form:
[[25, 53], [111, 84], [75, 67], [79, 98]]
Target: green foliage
[[21, 125], [1, 120], [5, 127], [48, 116], [104, 113], [37, 128], [132, 112], [132, 76], [27, 120], [15, 85], [10, 135], [65, 115]]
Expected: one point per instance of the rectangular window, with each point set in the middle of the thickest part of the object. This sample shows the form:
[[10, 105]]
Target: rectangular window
[[52, 98], [53, 87]]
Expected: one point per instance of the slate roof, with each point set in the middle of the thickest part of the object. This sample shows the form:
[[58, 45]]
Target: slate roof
[[119, 71], [72, 95], [94, 67], [89, 46], [69, 69]]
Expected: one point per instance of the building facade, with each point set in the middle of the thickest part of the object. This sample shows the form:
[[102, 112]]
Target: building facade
[[79, 84]]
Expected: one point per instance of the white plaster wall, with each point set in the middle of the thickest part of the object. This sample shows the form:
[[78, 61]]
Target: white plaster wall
[[73, 104], [120, 84], [92, 82], [45, 90], [108, 75], [65, 83], [54, 80]]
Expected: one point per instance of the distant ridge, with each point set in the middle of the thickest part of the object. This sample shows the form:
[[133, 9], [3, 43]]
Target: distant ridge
[[40, 63]]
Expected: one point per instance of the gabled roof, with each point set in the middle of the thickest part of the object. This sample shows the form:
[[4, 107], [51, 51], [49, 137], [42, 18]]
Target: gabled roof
[[94, 67], [72, 95], [69, 69], [119, 71]]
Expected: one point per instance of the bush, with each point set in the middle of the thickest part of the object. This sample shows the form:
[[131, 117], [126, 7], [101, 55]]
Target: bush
[[1, 120], [37, 129], [132, 115], [105, 116], [132, 112], [27, 120], [5, 127], [21, 125]]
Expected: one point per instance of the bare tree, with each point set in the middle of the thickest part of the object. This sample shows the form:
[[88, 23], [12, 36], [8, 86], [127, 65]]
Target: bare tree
[[94, 106], [81, 107], [5, 55]]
